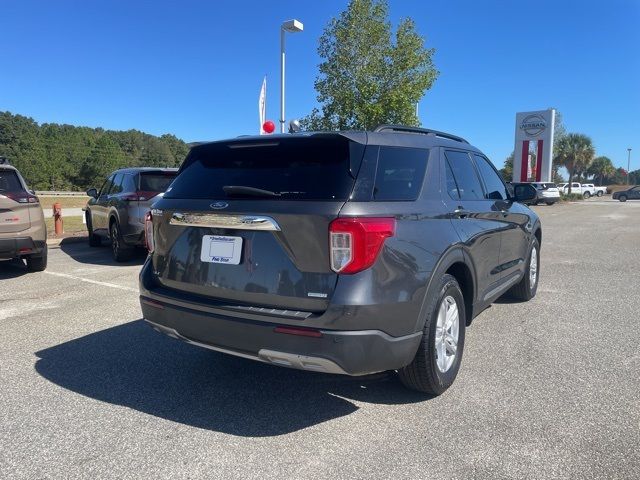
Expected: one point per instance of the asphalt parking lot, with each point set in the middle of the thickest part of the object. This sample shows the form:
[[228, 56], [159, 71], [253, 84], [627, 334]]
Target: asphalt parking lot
[[547, 389]]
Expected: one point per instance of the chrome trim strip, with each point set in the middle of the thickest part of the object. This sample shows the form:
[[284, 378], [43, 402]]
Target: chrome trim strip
[[235, 222], [502, 287], [300, 362]]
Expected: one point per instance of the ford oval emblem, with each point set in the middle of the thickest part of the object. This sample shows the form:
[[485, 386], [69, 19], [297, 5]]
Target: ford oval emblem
[[219, 205]]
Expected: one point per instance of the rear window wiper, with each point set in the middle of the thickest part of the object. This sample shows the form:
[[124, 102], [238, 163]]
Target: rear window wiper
[[240, 190]]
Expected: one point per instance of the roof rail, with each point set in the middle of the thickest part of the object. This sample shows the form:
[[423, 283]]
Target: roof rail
[[423, 131]]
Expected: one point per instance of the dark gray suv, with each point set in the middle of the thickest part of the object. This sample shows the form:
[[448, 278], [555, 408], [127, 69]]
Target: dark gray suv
[[346, 252], [117, 211]]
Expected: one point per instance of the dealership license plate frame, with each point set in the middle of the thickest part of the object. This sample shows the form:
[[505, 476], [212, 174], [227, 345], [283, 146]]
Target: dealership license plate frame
[[222, 249]]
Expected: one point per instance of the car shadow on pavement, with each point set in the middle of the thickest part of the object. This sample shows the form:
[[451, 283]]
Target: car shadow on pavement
[[134, 366], [83, 253], [12, 269]]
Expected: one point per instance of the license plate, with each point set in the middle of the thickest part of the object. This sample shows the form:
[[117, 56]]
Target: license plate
[[221, 249]]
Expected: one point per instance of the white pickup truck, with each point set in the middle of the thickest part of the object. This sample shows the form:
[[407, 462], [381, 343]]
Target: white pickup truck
[[593, 190], [587, 190]]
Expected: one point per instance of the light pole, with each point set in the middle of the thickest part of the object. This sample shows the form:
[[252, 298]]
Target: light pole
[[628, 163], [291, 26]]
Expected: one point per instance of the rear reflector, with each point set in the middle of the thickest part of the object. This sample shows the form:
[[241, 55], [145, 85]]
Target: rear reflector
[[303, 332], [148, 232], [354, 243]]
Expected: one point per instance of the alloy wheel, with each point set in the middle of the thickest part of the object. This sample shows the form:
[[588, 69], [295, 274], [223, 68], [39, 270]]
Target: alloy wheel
[[533, 268], [447, 331]]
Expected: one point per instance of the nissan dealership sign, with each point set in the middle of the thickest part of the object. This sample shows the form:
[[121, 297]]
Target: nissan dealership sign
[[534, 133], [533, 125]]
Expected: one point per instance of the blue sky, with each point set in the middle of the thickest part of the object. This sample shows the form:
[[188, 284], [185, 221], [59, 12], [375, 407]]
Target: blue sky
[[194, 69]]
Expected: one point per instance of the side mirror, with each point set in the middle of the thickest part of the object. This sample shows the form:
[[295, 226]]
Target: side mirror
[[92, 192], [523, 192]]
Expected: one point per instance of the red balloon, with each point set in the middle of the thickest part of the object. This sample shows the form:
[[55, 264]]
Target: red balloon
[[269, 126]]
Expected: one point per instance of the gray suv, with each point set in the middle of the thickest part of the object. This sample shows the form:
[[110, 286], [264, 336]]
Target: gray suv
[[117, 211], [345, 252]]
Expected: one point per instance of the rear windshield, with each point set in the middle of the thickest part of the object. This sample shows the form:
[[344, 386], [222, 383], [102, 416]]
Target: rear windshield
[[9, 182], [156, 182], [304, 168]]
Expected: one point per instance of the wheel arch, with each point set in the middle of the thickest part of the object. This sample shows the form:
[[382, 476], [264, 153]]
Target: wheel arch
[[453, 262], [538, 234], [113, 217]]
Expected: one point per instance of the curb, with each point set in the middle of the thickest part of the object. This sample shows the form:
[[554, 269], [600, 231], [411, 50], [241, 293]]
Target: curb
[[56, 242]]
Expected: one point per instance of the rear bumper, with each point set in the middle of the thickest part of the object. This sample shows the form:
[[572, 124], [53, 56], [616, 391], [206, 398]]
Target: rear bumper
[[340, 352], [344, 352], [19, 246]]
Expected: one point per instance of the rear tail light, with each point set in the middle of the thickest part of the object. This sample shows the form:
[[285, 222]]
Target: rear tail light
[[354, 243], [21, 197], [148, 232], [139, 196]]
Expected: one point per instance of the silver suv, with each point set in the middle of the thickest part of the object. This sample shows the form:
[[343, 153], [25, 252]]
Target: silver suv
[[117, 211], [23, 233]]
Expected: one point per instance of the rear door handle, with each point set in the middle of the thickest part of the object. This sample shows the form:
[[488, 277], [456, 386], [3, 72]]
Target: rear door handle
[[461, 213]]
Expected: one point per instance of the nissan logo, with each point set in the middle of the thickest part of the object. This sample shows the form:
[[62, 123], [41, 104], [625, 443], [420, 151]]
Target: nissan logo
[[533, 125], [219, 205]]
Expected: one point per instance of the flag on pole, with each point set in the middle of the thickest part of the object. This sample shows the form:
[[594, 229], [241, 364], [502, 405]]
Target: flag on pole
[[262, 105]]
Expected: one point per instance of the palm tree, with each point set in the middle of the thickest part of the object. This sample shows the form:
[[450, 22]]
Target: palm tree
[[602, 167], [575, 152]]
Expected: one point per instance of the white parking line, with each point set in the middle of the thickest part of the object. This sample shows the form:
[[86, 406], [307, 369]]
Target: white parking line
[[95, 282]]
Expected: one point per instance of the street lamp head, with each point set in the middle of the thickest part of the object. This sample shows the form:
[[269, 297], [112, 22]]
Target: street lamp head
[[292, 26]]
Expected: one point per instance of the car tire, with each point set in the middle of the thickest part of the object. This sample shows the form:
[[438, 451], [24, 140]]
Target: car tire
[[37, 263], [586, 195], [527, 288], [433, 369], [121, 253], [94, 240], [622, 198], [600, 193], [550, 203]]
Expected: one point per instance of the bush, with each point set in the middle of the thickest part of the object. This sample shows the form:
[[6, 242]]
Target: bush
[[571, 197]]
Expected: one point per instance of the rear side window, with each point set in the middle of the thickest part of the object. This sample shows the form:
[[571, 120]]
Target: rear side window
[[465, 176], [296, 168], [496, 190], [452, 186], [116, 187], [400, 173], [128, 183], [9, 182], [156, 182]]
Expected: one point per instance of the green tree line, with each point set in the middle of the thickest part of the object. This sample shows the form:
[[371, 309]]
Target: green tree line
[[51, 156]]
